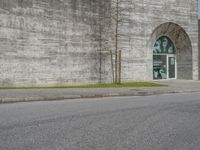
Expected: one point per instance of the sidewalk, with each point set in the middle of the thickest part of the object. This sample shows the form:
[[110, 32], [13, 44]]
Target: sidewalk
[[25, 95]]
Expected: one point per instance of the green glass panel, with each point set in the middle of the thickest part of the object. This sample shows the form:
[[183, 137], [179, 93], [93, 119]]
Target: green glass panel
[[164, 45], [159, 67]]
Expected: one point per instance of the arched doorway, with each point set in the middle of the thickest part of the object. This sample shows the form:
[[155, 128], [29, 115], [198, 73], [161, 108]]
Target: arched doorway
[[164, 59], [172, 52]]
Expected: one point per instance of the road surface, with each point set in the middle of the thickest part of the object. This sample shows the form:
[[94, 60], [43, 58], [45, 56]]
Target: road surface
[[165, 122]]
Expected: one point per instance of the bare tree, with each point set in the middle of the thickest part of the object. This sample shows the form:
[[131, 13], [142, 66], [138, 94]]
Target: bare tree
[[119, 10], [111, 18]]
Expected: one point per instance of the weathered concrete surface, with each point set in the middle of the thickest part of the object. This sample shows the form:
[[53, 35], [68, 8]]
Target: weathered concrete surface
[[142, 19], [58, 42], [51, 42]]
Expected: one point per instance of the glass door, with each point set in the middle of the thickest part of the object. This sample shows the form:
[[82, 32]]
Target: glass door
[[159, 67], [164, 59], [172, 67]]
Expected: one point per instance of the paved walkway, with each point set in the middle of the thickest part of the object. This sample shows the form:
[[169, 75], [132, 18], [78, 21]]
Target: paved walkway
[[24, 95]]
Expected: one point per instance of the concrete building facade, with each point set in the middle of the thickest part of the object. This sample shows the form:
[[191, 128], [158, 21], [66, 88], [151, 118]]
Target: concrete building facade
[[63, 42]]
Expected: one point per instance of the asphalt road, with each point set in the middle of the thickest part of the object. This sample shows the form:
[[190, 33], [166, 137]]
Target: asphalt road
[[165, 122]]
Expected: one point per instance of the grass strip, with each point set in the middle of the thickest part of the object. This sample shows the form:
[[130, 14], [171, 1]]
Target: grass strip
[[112, 85]]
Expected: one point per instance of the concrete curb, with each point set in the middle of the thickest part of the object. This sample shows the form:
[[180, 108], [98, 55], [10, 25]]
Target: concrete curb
[[27, 98]]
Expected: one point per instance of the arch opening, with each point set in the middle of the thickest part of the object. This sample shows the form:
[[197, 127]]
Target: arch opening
[[172, 52]]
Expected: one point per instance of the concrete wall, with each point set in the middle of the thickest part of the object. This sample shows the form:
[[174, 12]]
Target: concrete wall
[[51, 42], [58, 42], [140, 21]]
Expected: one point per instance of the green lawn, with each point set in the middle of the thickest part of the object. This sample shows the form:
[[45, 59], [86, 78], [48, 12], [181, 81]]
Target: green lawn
[[129, 84]]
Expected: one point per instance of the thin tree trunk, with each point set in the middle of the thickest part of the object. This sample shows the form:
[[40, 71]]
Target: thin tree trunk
[[120, 67], [100, 57], [112, 67], [116, 42]]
